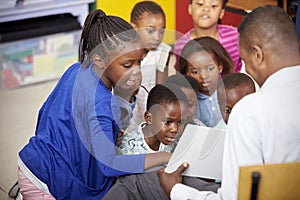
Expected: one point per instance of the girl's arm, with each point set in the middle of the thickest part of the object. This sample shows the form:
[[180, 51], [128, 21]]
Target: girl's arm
[[109, 162], [163, 60], [155, 159], [161, 76]]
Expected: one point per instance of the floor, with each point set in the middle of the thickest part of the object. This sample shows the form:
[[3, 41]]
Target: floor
[[18, 113]]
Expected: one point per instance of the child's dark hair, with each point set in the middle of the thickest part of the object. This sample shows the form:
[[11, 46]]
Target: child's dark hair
[[109, 31], [223, 4], [212, 46], [145, 6], [165, 93], [183, 81], [233, 80]]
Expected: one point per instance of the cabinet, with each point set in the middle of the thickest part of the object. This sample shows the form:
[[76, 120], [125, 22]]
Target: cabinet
[[78, 8], [42, 57]]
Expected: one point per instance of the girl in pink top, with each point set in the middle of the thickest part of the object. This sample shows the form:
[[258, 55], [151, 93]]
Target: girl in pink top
[[206, 14]]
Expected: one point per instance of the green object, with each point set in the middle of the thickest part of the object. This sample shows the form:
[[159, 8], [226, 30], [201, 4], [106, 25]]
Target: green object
[[92, 6], [19, 55]]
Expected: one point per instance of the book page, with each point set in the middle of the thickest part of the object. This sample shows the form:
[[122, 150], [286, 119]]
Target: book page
[[202, 147]]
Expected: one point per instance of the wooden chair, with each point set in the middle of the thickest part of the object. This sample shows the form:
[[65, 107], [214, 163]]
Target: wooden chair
[[270, 182]]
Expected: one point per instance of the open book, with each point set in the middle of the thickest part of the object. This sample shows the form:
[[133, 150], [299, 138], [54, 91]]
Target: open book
[[202, 148]]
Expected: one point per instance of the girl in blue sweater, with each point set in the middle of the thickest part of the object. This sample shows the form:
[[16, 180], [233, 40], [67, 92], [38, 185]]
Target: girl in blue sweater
[[72, 155]]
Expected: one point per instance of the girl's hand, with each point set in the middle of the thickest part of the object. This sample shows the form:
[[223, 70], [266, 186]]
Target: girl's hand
[[120, 134]]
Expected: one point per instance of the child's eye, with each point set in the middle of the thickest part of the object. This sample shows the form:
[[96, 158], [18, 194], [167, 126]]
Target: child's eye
[[210, 69], [150, 31], [162, 31], [181, 123], [127, 65], [168, 122], [214, 6], [195, 72], [227, 110]]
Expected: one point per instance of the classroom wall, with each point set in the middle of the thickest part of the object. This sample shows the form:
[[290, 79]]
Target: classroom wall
[[123, 9], [184, 21], [178, 19]]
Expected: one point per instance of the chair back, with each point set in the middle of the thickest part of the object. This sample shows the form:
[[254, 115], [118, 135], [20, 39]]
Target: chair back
[[270, 182]]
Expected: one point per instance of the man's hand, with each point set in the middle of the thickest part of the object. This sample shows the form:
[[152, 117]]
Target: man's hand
[[167, 181]]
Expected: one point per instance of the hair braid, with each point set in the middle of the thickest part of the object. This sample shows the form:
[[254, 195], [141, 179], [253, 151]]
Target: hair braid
[[145, 6], [103, 33]]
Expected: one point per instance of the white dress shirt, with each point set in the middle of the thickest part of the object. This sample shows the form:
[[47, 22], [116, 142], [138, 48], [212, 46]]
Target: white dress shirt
[[263, 128]]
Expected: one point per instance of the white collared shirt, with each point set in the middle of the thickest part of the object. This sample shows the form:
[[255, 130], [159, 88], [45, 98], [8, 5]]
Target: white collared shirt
[[263, 128]]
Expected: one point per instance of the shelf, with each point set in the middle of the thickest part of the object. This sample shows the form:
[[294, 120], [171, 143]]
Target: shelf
[[45, 57], [37, 59], [78, 8]]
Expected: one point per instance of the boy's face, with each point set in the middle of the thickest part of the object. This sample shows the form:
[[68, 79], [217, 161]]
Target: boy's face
[[206, 13], [228, 98], [192, 101], [151, 28], [204, 69], [167, 121]]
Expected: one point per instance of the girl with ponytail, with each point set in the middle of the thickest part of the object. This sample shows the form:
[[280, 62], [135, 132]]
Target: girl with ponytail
[[72, 155]]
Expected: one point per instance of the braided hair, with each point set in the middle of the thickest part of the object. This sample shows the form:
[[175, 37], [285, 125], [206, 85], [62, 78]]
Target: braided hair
[[102, 34], [145, 6]]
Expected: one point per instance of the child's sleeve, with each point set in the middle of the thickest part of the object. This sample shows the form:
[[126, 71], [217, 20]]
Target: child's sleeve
[[163, 51], [103, 128]]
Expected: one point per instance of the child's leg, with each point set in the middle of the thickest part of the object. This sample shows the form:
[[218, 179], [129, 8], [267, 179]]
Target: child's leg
[[29, 190], [147, 186], [137, 186]]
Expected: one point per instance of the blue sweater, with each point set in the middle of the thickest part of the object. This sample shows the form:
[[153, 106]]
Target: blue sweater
[[73, 150]]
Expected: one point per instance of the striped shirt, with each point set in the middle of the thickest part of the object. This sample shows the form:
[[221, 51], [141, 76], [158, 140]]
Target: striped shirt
[[228, 37]]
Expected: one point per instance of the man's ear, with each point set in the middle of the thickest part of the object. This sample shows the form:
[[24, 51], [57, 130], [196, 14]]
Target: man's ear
[[190, 9], [99, 61], [148, 117], [258, 54]]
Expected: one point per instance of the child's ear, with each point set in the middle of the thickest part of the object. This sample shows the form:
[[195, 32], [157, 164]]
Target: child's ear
[[190, 9], [99, 61], [133, 25], [220, 69], [148, 117], [222, 13]]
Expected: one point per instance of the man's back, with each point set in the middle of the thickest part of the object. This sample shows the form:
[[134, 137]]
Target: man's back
[[268, 129]]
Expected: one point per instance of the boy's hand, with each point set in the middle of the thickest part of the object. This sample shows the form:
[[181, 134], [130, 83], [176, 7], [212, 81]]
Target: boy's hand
[[167, 181], [120, 134]]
